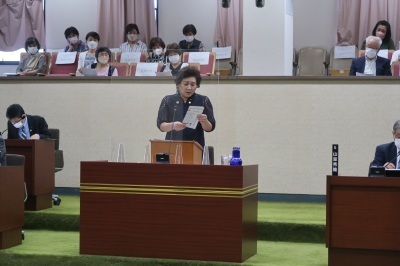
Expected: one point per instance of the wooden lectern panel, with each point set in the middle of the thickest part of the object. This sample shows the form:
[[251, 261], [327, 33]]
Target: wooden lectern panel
[[11, 205], [39, 170], [363, 217], [192, 152], [193, 212]]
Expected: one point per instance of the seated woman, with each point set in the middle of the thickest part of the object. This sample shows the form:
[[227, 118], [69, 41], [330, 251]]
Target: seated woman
[[89, 57], [383, 31], [133, 45], [175, 64], [174, 107], [34, 63], [190, 44], [103, 68], [156, 53], [74, 44]]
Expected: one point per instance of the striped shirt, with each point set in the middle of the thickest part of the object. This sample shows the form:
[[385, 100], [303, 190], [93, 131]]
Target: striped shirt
[[137, 48]]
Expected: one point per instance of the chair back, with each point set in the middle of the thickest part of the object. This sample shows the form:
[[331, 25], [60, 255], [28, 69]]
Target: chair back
[[224, 66], [396, 69], [64, 69], [15, 160], [204, 69], [122, 68], [340, 66], [311, 61], [55, 135]]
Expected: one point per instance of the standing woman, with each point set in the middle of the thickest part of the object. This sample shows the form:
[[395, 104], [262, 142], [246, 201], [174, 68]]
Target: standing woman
[[175, 64], [383, 31], [133, 45], [89, 57], [34, 63], [175, 107], [103, 68]]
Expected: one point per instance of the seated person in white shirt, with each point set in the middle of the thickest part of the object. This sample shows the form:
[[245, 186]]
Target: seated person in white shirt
[[133, 45], [371, 63], [175, 64], [89, 57]]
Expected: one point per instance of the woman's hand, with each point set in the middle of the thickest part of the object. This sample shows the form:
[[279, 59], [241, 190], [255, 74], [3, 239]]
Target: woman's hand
[[178, 126], [205, 124]]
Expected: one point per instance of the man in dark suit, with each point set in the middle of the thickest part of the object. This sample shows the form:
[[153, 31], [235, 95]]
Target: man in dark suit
[[371, 63], [387, 154], [23, 126]]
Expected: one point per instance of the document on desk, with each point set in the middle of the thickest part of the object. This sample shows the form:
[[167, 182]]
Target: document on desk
[[191, 116]]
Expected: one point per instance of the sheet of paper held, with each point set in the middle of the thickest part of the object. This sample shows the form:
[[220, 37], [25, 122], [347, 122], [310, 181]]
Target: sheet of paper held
[[191, 116]]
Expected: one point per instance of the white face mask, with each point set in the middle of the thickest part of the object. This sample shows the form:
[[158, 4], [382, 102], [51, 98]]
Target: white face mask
[[158, 51], [103, 60], [132, 37], [73, 40], [189, 38], [371, 53], [173, 58], [18, 125], [397, 143], [92, 45], [32, 50]]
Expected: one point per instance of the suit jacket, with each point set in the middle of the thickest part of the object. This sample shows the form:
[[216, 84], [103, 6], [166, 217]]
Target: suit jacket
[[3, 158], [382, 66], [385, 153], [36, 125]]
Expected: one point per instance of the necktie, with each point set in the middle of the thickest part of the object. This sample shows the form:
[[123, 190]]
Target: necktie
[[23, 132]]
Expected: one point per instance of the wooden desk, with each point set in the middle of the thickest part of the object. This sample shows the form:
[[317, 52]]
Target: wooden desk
[[363, 220], [11, 205], [190, 212], [39, 170]]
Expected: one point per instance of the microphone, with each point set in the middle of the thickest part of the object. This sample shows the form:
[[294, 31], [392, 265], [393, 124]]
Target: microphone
[[172, 131], [395, 157], [2, 132]]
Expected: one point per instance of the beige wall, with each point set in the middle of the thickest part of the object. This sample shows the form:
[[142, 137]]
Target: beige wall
[[287, 126]]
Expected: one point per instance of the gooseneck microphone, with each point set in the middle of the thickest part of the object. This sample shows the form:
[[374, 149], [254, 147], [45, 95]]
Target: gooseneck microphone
[[172, 131], [395, 157], [2, 132]]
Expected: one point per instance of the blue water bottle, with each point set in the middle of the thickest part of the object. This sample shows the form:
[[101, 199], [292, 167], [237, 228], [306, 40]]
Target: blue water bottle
[[236, 157]]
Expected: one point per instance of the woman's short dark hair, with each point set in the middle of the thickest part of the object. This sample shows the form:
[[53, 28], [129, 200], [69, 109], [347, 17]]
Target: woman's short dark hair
[[156, 41], [70, 30], [15, 111], [189, 28], [31, 40], [131, 27], [188, 72], [102, 49], [94, 35], [173, 47], [388, 35]]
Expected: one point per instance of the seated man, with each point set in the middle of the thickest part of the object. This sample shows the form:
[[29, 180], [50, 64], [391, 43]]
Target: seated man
[[3, 158], [23, 126], [387, 155], [371, 63]]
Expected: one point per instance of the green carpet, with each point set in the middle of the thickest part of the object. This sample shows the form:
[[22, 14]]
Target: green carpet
[[62, 248]]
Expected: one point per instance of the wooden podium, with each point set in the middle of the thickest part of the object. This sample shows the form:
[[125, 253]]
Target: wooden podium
[[39, 170], [11, 205], [363, 220], [171, 211], [192, 152]]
